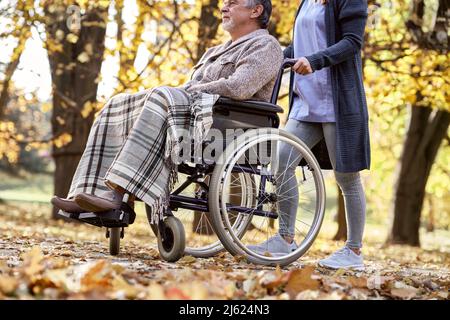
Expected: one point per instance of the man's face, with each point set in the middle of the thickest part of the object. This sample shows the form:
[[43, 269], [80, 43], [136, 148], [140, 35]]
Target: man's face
[[234, 14]]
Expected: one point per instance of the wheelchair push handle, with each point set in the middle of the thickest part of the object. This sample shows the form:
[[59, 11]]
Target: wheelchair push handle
[[287, 63]]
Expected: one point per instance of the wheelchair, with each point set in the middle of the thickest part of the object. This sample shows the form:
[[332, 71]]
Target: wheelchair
[[234, 200]]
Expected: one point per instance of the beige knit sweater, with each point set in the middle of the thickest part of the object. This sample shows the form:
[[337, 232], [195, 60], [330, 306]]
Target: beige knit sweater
[[242, 70]]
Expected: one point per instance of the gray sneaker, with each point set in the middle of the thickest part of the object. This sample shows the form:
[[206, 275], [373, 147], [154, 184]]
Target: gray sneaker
[[275, 246], [344, 258]]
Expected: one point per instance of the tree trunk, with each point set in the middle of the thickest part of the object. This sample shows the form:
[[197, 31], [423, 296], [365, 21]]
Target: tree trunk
[[341, 233], [431, 223], [207, 27], [427, 130], [75, 68], [429, 33]]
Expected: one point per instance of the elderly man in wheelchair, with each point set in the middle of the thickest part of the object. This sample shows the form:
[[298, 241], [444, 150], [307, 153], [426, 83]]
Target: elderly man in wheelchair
[[229, 201]]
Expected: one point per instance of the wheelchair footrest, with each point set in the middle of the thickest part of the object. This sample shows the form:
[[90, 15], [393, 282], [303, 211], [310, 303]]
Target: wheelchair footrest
[[116, 218]]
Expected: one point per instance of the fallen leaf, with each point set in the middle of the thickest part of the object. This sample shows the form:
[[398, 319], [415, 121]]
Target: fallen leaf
[[59, 279], [155, 292], [308, 295], [152, 252], [120, 285], [271, 280], [187, 260], [66, 253], [176, 294], [332, 296], [118, 268], [33, 262], [379, 282], [239, 258], [430, 285], [300, 280], [97, 277], [358, 282], [359, 294], [8, 284], [195, 290], [443, 295], [249, 285], [340, 272], [404, 293]]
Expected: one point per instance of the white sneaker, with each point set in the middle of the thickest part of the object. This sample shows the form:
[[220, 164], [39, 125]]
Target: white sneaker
[[275, 246], [344, 258]]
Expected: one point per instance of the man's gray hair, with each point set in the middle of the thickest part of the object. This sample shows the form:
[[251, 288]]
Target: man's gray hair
[[264, 18]]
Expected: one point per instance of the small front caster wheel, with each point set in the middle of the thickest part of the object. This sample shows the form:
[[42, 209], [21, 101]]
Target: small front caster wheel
[[114, 240], [171, 239]]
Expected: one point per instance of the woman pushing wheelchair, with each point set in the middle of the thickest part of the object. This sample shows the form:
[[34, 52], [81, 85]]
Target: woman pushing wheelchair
[[328, 111]]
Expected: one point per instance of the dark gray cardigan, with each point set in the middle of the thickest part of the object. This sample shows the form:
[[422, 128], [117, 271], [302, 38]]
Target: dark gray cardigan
[[345, 22]]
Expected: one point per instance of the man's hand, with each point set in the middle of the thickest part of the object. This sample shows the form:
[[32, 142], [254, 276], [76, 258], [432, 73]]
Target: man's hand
[[302, 66]]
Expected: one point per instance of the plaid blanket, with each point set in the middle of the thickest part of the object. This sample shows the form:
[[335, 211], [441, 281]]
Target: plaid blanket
[[132, 142]]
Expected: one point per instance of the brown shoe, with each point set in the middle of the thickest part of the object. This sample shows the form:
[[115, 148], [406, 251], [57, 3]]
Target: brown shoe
[[112, 200], [67, 205]]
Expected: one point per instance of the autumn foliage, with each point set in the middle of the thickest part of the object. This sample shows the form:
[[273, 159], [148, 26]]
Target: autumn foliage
[[96, 49]]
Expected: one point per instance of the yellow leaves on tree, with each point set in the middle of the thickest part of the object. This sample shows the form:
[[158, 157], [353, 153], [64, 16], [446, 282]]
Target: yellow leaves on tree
[[398, 74], [53, 46], [9, 147], [283, 16], [161, 41], [90, 107], [72, 38], [62, 140], [83, 57]]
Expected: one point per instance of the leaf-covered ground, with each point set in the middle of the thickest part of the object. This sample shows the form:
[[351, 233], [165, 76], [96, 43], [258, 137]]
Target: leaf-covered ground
[[43, 259]]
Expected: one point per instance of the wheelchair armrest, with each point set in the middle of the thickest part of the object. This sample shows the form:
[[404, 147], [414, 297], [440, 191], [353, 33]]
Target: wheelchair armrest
[[253, 106]]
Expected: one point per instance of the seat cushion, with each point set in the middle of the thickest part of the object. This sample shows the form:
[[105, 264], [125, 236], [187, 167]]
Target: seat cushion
[[253, 106]]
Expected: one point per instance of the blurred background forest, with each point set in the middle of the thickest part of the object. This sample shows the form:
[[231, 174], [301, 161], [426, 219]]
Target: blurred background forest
[[60, 61]]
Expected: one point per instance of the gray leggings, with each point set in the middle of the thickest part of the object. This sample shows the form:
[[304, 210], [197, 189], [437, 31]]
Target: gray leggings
[[350, 183]]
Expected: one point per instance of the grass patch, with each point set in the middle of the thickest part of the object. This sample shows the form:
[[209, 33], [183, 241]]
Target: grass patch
[[27, 187]]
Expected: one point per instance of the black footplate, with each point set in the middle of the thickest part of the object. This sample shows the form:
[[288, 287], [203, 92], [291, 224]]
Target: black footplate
[[116, 218]]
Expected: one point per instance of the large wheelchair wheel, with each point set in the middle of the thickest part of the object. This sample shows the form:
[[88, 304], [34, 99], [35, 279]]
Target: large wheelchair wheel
[[258, 152], [200, 236]]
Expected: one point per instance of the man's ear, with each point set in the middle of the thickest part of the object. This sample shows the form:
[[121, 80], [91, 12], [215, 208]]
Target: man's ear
[[257, 11]]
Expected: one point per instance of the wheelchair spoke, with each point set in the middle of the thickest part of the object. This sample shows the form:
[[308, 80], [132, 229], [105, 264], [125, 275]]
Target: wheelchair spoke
[[302, 233], [303, 192], [304, 223], [285, 170]]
